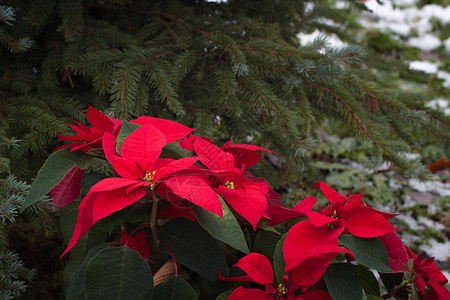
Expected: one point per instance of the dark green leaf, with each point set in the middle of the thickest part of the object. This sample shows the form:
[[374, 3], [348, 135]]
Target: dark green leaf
[[175, 288], [226, 294], [264, 225], [194, 247], [278, 260], [53, 171], [342, 282], [118, 273], [372, 297], [266, 242], [76, 284], [125, 131], [368, 280], [226, 230], [368, 251]]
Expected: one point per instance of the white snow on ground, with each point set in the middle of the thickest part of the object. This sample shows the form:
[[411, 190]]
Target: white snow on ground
[[436, 187], [447, 45], [439, 250]]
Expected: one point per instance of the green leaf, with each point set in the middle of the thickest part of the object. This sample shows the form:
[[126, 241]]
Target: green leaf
[[368, 251], [368, 281], [118, 273], [125, 131], [194, 247], [174, 288], [264, 225], [53, 171], [76, 283], [372, 297], [226, 230], [279, 264], [266, 242], [342, 282], [226, 294]]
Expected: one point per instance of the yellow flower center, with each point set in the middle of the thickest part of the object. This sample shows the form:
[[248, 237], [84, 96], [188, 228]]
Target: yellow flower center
[[148, 177], [281, 289], [335, 215], [229, 185]]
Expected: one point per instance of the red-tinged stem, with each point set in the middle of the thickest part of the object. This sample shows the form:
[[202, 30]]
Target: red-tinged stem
[[173, 258], [153, 220]]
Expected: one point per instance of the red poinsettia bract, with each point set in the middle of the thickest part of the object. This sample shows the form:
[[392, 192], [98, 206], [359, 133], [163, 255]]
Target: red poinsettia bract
[[352, 215], [137, 242], [308, 250], [248, 198], [91, 138], [259, 270], [428, 274], [139, 168]]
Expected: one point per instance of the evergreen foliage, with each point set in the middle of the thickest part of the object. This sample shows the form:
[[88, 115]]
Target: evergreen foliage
[[228, 68], [13, 274]]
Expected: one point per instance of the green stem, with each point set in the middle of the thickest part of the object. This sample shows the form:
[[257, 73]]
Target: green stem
[[399, 287], [153, 220]]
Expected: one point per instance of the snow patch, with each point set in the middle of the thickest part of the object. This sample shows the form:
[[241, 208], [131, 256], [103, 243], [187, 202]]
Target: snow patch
[[424, 66], [435, 187], [436, 249], [426, 42]]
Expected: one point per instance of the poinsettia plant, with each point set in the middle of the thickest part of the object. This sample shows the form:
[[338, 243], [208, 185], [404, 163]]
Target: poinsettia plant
[[151, 211]]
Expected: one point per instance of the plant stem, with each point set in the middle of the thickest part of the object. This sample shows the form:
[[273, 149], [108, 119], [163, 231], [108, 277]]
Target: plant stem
[[399, 287], [153, 220]]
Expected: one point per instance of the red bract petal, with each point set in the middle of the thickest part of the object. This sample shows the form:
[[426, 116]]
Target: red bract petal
[[174, 166], [258, 267], [212, 156], [99, 120], [197, 191], [439, 292], [68, 189], [80, 138], [143, 145], [109, 184], [95, 144], [280, 214], [242, 293], [250, 204], [353, 209], [331, 194], [244, 154], [315, 295], [420, 283], [398, 258], [96, 206], [173, 131], [310, 270], [123, 167], [368, 224], [137, 242], [319, 220], [354, 200], [304, 240], [434, 273]]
